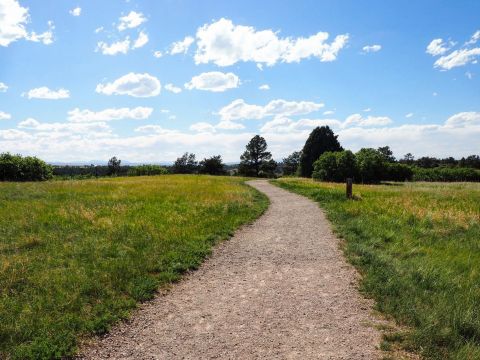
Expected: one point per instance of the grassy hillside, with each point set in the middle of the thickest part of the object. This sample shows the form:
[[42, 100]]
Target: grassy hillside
[[418, 247], [76, 256]]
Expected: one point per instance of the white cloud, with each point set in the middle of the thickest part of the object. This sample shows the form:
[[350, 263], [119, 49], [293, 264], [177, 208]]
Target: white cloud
[[85, 141], [434, 93], [130, 21], [224, 44], [46, 37], [457, 58], [158, 54], [13, 19], [141, 40], [138, 113], [99, 29], [172, 117], [372, 48], [214, 81], [3, 87], [464, 119], [46, 93], [329, 112], [172, 88], [181, 47], [264, 87], [475, 37], [359, 120], [76, 11], [63, 128], [468, 74], [118, 47], [239, 109], [437, 47], [5, 116], [367, 110], [409, 115], [286, 125], [229, 125], [136, 85], [202, 127]]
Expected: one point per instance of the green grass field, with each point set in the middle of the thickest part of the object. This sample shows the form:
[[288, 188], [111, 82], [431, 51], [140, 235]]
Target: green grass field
[[76, 256], [418, 248]]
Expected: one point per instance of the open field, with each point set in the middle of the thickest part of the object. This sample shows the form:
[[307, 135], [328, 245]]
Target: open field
[[418, 248], [76, 256]]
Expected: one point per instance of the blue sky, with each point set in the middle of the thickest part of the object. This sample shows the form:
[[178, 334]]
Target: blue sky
[[148, 80]]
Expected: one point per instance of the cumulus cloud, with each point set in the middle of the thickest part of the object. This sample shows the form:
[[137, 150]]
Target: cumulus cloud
[[85, 115], [76, 11], [456, 58], [240, 110], [181, 47], [225, 44], [141, 40], [172, 88], [5, 116], [359, 120], [464, 119], [437, 47], [264, 87], [3, 87], [133, 84], [214, 81], [371, 48], [409, 115], [130, 21], [46, 93], [158, 54], [73, 142], [118, 47], [14, 19], [202, 127], [123, 46]]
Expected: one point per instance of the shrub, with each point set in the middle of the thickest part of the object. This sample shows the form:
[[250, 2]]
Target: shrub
[[446, 174], [147, 170], [371, 165], [335, 166], [397, 172], [18, 168]]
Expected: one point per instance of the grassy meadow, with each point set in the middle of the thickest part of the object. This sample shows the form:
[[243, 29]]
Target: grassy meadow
[[76, 256], [418, 248]]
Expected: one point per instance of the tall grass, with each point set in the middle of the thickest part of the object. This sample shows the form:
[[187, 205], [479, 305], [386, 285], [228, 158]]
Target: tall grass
[[76, 256], [418, 248]]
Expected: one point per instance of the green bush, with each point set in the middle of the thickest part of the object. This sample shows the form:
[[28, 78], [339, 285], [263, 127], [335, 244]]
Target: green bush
[[446, 174], [19, 168], [335, 166], [147, 170], [397, 172]]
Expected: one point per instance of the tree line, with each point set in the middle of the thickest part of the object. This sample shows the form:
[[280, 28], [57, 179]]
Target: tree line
[[321, 158]]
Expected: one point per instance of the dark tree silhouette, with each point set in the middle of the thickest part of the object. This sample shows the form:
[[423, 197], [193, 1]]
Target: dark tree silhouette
[[256, 160], [114, 166], [321, 139], [291, 163], [186, 164], [212, 166]]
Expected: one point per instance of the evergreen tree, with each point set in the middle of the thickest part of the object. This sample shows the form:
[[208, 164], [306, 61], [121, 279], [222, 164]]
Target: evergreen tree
[[256, 160], [321, 139]]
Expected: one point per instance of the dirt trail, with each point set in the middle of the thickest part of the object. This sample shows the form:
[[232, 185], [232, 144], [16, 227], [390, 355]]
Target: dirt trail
[[279, 289]]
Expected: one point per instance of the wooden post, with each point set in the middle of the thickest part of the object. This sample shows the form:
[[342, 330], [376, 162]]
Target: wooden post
[[349, 188]]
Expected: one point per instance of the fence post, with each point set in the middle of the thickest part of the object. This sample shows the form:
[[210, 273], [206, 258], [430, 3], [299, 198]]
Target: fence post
[[349, 188]]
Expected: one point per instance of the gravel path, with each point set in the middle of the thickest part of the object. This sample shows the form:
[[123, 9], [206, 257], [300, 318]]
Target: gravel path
[[279, 289]]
